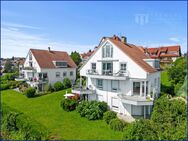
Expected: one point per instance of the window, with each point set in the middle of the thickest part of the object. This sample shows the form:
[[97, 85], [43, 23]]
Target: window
[[123, 66], [136, 88], [147, 87], [57, 74], [107, 51], [64, 74], [143, 87], [93, 66], [71, 73], [100, 83], [30, 56], [30, 64], [61, 64], [115, 85], [107, 68], [157, 64], [155, 82]]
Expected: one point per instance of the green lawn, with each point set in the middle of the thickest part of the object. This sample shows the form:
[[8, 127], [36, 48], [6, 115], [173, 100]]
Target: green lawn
[[63, 125]]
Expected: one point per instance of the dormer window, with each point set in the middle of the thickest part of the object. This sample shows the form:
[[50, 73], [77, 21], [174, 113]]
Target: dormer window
[[107, 51], [60, 64]]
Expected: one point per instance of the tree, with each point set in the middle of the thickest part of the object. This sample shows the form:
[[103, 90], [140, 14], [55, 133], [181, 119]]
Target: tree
[[142, 129], [8, 66], [177, 71], [76, 57]]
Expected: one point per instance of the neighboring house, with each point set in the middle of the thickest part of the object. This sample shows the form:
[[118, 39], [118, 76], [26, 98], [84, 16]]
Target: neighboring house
[[48, 66], [86, 56], [122, 75], [166, 54]]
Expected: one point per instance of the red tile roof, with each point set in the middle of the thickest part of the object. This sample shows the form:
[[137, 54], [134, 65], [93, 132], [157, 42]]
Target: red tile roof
[[165, 50], [45, 58], [134, 53]]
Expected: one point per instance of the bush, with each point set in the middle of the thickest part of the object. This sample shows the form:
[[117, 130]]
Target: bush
[[30, 92], [116, 124], [108, 116], [20, 126], [66, 83], [58, 86], [142, 129], [23, 87], [48, 88], [69, 104], [92, 110], [4, 86]]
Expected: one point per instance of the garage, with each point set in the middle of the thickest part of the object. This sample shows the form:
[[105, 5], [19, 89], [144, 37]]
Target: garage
[[115, 104], [100, 97]]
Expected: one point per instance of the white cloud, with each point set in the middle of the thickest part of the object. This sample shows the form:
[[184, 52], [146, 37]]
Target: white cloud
[[174, 39], [15, 25], [15, 41]]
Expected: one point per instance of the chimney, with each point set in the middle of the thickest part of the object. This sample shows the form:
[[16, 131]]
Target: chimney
[[123, 39], [48, 48]]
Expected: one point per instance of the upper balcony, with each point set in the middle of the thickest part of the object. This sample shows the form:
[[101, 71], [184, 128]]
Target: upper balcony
[[108, 74], [82, 90], [29, 69], [136, 100]]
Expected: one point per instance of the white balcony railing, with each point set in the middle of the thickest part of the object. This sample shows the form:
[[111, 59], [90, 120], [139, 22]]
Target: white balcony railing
[[118, 73]]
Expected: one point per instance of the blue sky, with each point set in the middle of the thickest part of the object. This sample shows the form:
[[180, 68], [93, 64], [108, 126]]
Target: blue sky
[[79, 26]]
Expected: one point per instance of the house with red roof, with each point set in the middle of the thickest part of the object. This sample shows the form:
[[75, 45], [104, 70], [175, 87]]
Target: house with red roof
[[123, 76], [43, 67], [166, 54]]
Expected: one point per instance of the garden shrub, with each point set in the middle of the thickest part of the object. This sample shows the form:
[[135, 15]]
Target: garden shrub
[[48, 88], [92, 110], [58, 86], [18, 126], [66, 83], [4, 86], [69, 104], [30, 92], [116, 124], [108, 116], [23, 87]]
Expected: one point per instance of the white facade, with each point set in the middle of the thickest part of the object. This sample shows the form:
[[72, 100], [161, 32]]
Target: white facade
[[38, 77], [117, 90]]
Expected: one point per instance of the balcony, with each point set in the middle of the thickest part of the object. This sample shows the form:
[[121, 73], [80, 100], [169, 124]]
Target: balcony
[[29, 69], [135, 100], [108, 74], [37, 80], [81, 90]]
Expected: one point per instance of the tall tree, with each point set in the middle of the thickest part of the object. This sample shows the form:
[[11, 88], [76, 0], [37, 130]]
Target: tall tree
[[76, 57], [8, 66]]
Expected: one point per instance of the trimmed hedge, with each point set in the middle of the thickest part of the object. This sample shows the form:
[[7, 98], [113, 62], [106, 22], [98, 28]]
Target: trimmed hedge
[[116, 124], [58, 86], [108, 116]]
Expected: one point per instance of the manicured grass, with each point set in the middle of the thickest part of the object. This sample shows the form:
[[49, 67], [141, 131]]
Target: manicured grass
[[164, 79], [62, 125]]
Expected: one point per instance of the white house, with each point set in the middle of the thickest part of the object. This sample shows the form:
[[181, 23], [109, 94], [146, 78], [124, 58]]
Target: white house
[[122, 75], [47, 67]]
